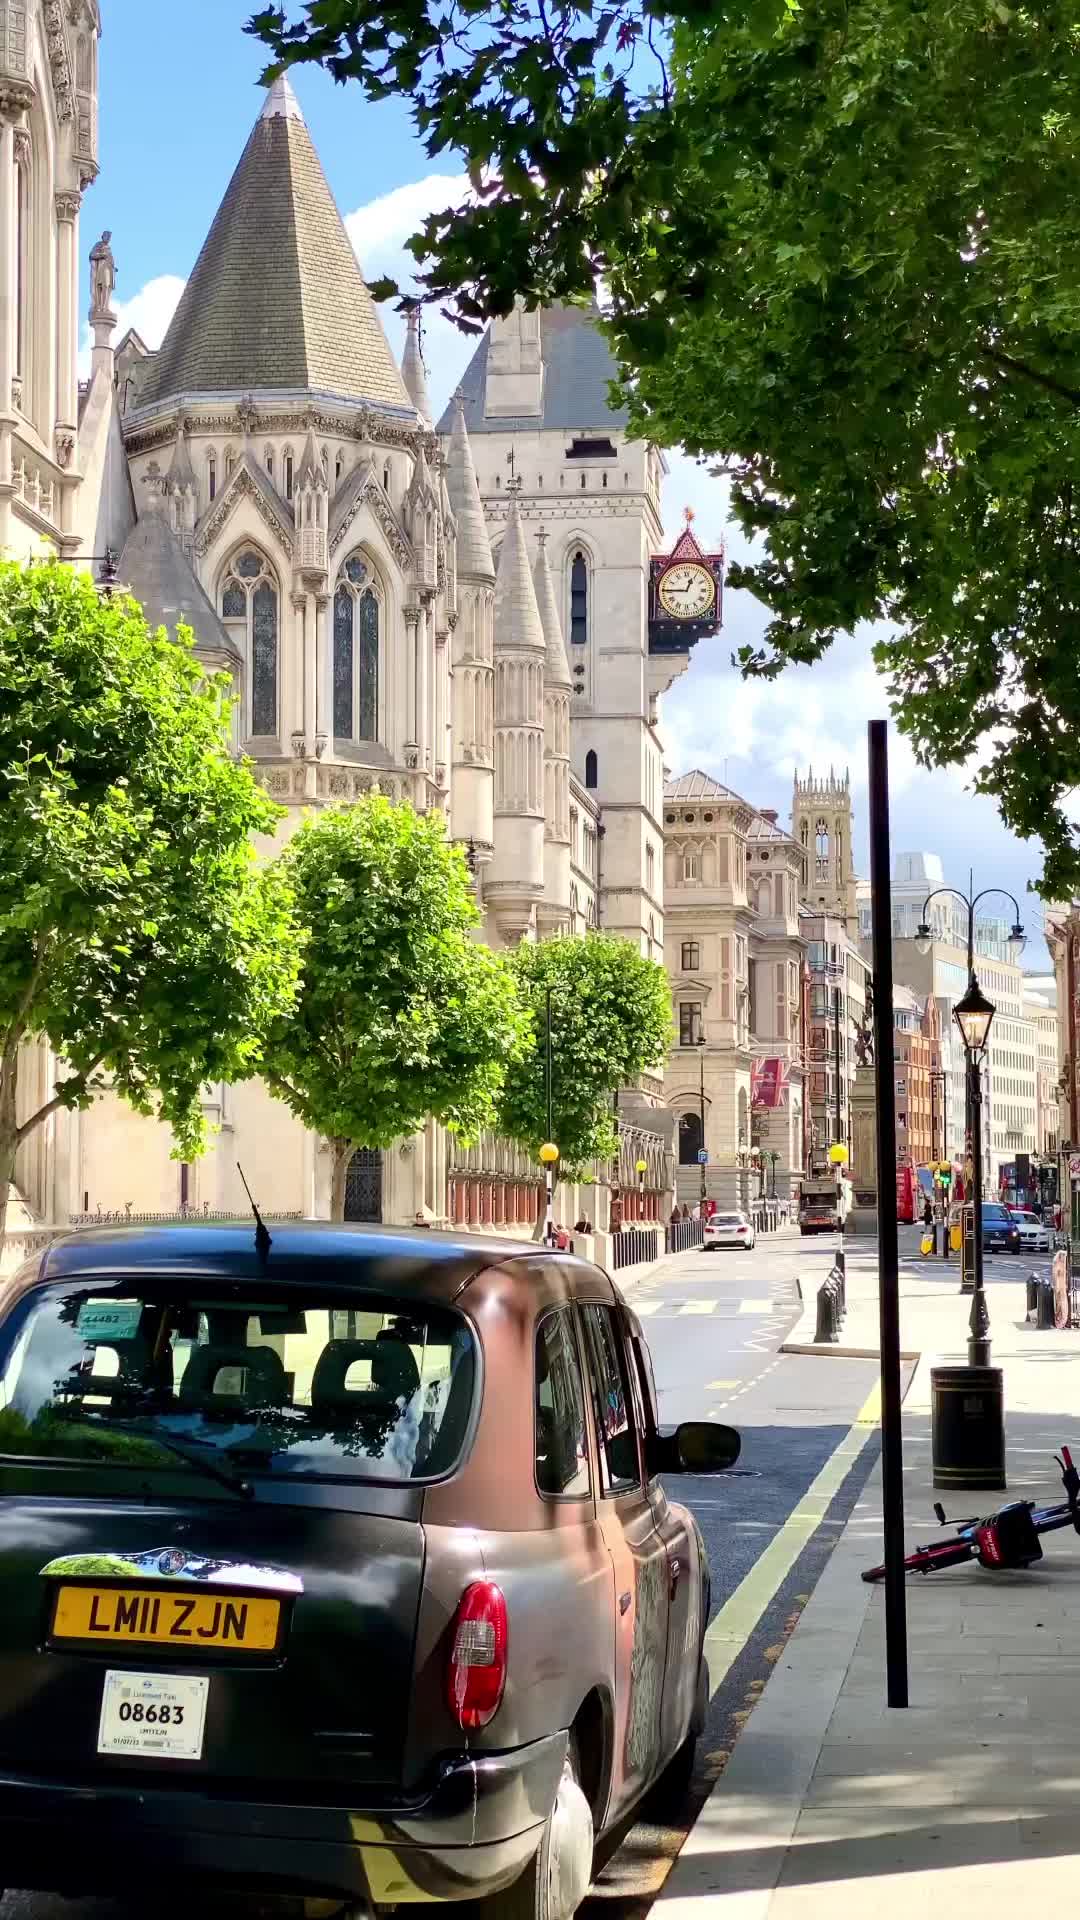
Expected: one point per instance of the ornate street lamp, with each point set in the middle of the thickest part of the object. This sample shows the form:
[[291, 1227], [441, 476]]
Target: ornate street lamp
[[974, 1015]]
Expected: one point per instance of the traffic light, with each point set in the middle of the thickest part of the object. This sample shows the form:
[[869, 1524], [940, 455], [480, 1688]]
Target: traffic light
[[945, 1175]]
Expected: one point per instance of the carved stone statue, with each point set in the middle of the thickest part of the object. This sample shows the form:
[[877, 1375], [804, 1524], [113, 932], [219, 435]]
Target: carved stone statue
[[864, 1046], [102, 276]]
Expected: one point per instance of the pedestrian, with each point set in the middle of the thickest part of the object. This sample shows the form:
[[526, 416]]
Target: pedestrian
[[685, 1211], [928, 1212], [562, 1239], [676, 1216], [582, 1225]]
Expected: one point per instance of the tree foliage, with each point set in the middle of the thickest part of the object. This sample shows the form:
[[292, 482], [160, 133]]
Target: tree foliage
[[841, 246], [401, 1015], [135, 931], [610, 1021]]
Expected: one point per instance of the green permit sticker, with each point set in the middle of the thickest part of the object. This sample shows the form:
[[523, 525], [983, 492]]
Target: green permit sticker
[[108, 1320]]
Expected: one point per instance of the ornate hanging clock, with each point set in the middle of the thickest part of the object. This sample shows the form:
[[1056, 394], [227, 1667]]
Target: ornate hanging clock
[[685, 595]]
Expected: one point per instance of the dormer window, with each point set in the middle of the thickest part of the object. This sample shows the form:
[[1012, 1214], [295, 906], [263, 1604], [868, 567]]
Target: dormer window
[[592, 447]]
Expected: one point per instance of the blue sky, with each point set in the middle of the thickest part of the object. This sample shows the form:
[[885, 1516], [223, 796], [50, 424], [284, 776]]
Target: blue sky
[[178, 98]]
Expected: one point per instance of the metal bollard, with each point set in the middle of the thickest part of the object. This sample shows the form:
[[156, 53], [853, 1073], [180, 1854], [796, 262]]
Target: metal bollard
[[827, 1330], [1045, 1312], [840, 1269]]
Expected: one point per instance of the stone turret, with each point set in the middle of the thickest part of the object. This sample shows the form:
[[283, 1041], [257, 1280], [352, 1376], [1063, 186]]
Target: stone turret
[[312, 506], [421, 518], [473, 717], [412, 367], [554, 912], [516, 881], [821, 823]]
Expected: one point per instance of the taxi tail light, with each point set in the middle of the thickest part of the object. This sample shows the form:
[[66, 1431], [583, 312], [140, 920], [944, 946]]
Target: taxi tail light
[[476, 1672]]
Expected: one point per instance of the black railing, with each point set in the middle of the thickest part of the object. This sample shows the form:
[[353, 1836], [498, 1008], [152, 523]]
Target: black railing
[[633, 1245], [681, 1234], [126, 1218]]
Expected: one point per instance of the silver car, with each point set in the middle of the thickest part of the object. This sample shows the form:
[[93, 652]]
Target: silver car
[[1035, 1235], [728, 1230]]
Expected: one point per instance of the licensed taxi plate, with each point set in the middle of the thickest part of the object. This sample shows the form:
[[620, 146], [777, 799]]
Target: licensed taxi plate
[[192, 1622]]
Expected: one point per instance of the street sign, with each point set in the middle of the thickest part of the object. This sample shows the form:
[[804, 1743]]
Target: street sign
[[702, 1157]]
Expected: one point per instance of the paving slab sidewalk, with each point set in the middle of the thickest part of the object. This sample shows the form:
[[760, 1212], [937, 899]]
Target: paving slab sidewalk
[[969, 1798]]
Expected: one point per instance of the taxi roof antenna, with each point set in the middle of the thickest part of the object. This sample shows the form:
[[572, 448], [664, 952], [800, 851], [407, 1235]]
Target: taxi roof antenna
[[263, 1242]]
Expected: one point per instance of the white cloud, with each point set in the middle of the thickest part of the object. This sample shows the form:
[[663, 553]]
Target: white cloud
[[148, 311], [379, 232]]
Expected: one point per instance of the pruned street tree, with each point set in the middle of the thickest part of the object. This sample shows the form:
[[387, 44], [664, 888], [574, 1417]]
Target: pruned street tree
[[839, 242], [610, 1021], [137, 935], [402, 1015]]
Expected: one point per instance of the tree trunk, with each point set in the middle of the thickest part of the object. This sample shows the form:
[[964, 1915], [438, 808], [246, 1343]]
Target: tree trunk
[[342, 1151], [9, 1082]]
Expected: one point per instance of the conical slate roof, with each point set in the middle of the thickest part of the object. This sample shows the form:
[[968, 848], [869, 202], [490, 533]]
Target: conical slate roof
[[557, 666], [474, 561], [518, 627], [578, 370], [276, 298], [155, 570], [412, 367]]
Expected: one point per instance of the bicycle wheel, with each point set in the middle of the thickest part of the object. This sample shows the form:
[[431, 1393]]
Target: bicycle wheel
[[928, 1559]]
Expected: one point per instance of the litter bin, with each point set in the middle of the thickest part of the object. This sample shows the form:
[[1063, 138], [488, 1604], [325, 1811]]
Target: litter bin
[[967, 1427], [1044, 1317]]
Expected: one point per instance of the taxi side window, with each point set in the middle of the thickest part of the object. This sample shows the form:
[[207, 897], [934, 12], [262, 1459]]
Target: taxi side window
[[562, 1448], [613, 1399]]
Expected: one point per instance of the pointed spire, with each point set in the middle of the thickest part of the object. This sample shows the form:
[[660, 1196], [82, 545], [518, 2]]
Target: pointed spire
[[281, 102], [181, 472], [518, 627], [412, 365], [311, 473], [474, 559], [557, 666]]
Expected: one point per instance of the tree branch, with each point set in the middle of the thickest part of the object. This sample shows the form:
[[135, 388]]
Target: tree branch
[[1020, 367], [59, 1099], [17, 1025]]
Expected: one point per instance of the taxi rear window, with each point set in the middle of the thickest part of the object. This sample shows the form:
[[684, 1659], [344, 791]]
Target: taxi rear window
[[256, 1382]]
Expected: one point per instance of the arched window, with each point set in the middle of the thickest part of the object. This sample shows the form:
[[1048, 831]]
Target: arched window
[[269, 456], [287, 460], [230, 462], [691, 869], [249, 608], [211, 474], [689, 1138], [590, 768], [579, 599], [356, 652], [822, 840], [339, 466]]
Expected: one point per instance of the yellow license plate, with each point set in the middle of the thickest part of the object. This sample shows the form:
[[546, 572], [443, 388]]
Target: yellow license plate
[[187, 1622]]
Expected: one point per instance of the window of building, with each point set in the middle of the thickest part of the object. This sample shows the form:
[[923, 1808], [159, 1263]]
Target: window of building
[[579, 599], [356, 652], [339, 467], [691, 956], [270, 461], [249, 608], [590, 768], [612, 1399], [22, 272], [211, 474], [822, 840], [288, 473], [562, 1450], [650, 869], [689, 1023], [691, 866]]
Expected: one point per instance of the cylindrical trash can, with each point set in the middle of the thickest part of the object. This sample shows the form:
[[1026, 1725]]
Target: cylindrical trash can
[[1044, 1318], [967, 1427]]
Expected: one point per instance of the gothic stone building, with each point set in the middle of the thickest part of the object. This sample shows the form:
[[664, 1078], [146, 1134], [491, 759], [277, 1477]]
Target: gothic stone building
[[399, 605]]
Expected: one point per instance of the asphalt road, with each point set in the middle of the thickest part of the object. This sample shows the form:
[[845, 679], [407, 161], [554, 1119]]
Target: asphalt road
[[715, 1323]]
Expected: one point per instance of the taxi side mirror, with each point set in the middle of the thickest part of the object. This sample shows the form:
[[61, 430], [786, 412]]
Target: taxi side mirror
[[698, 1446]]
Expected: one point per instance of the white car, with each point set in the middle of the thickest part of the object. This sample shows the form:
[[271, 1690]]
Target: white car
[[1035, 1235], [727, 1230]]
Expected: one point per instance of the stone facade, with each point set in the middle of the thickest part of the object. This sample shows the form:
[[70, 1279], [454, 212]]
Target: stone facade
[[735, 959], [394, 615]]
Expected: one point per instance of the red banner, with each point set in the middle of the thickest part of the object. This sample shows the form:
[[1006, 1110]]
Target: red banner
[[769, 1084]]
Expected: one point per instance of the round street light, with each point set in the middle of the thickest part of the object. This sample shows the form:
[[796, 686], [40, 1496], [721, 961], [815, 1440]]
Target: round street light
[[924, 938], [974, 1016], [1017, 942], [549, 1154]]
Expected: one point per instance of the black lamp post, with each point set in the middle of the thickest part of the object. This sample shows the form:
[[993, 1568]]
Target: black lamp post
[[701, 1096], [977, 1020], [974, 1016]]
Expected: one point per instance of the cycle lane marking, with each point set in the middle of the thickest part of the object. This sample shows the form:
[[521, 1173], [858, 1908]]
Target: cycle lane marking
[[736, 1620]]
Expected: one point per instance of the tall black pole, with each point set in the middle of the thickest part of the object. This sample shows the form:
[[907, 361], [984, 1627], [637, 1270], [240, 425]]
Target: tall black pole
[[836, 1048], [550, 1121], [701, 1066], [892, 1459], [979, 1323]]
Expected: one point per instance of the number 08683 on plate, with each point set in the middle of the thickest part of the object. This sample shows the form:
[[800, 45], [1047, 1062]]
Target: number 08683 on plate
[[155, 1715]]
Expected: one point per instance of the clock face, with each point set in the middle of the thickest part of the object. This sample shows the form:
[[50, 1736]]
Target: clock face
[[687, 591]]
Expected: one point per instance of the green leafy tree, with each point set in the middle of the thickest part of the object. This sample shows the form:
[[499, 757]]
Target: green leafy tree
[[841, 245], [136, 933], [610, 1021], [402, 1015]]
